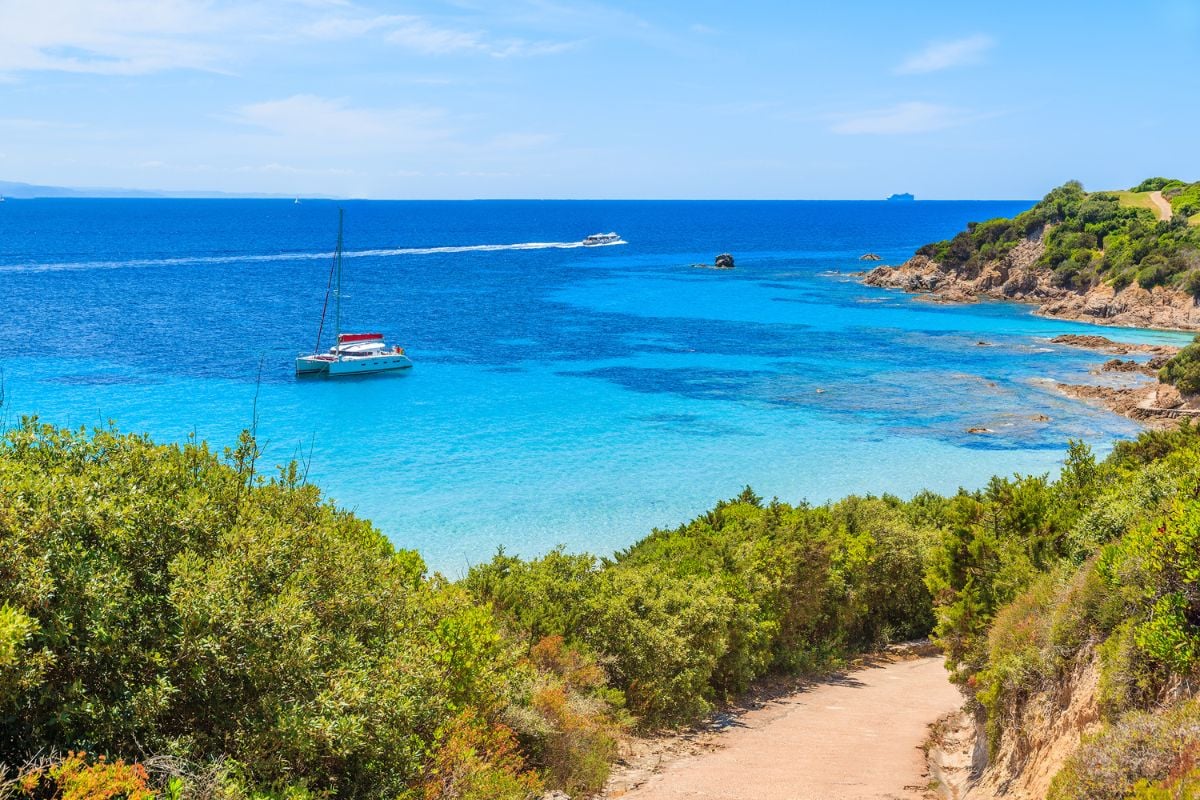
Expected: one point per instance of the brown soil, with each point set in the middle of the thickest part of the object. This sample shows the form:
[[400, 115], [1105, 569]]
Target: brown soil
[[854, 736]]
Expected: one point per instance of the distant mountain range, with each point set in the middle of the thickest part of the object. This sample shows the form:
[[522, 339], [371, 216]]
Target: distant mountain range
[[17, 190]]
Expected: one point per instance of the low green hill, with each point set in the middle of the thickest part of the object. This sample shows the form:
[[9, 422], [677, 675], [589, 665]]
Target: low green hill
[[1093, 238]]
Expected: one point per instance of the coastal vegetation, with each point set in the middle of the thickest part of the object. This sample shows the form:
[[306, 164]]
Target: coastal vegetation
[[1183, 197], [174, 622], [230, 634], [1101, 569], [1091, 238], [1183, 370]]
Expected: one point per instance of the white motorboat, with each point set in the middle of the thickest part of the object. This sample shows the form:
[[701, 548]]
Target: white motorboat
[[352, 353], [600, 238]]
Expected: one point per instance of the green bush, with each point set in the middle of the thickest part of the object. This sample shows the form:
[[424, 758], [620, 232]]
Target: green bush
[[1142, 748], [1183, 370], [688, 617], [1155, 184], [159, 600]]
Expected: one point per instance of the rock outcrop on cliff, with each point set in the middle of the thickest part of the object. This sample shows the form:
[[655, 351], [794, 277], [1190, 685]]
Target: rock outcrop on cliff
[[1016, 276]]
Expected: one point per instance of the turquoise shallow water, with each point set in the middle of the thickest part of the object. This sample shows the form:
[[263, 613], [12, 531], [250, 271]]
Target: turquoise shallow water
[[561, 395]]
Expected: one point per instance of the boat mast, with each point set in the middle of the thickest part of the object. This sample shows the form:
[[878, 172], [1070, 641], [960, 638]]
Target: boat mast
[[334, 267], [337, 261]]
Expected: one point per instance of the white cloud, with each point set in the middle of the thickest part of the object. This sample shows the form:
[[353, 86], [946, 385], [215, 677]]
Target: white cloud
[[427, 37], [903, 118], [342, 27], [313, 118], [115, 37], [137, 37], [416, 34], [943, 55], [521, 141], [422, 36]]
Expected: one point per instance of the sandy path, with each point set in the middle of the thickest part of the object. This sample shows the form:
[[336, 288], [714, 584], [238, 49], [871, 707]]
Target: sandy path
[[852, 737], [1162, 204]]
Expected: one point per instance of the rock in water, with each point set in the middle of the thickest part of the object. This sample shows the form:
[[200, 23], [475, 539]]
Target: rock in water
[[870, 257], [724, 261]]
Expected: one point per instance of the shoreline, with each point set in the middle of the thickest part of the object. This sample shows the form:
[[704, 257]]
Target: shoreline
[[1154, 404]]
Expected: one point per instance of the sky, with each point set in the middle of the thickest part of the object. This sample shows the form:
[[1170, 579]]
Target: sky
[[595, 99]]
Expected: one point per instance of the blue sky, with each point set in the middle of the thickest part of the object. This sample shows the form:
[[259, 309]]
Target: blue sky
[[563, 99]]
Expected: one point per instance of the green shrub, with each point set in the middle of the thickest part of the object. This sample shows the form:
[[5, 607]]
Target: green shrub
[[159, 600], [1155, 184], [688, 617], [1142, 747], [1183, 370]]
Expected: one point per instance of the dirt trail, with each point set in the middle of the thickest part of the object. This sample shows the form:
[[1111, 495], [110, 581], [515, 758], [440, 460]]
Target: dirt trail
[[1162, 205], [852, 737]]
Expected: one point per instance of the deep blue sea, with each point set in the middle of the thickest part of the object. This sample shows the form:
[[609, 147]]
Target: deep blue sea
[[561, 395]]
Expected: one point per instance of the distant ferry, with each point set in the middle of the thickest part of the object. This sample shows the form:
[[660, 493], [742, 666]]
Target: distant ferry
[[600, 238]]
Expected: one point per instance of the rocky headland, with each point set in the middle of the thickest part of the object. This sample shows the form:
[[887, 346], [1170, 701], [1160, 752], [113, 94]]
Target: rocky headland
[[1016, 276]]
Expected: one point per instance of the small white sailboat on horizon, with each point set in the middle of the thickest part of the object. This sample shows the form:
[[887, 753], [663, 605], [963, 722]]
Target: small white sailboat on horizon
[[352, 353]]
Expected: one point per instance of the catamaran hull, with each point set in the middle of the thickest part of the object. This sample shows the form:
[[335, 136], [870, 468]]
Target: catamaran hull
[[311, 366], [351, 366], [362, 366]]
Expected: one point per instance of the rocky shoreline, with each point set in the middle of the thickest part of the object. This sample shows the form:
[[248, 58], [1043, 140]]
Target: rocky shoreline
[[1154, 404], [1017, 277]]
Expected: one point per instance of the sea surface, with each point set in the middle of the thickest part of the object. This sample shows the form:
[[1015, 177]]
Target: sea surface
[[561, 394]]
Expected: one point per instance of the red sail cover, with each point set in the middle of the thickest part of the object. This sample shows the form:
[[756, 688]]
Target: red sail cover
[[347, 338]]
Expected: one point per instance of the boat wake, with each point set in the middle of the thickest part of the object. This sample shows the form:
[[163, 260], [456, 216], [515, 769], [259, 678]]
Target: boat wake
[[251, 259]]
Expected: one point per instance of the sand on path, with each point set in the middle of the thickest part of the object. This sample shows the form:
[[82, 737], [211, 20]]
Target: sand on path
[[854, 736], [1162, 205]]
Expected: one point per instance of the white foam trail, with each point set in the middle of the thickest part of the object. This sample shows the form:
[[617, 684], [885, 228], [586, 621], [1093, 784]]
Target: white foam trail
[[250, 259]]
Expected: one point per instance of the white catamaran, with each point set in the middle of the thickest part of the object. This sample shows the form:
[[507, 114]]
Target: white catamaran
[[352, 353]]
